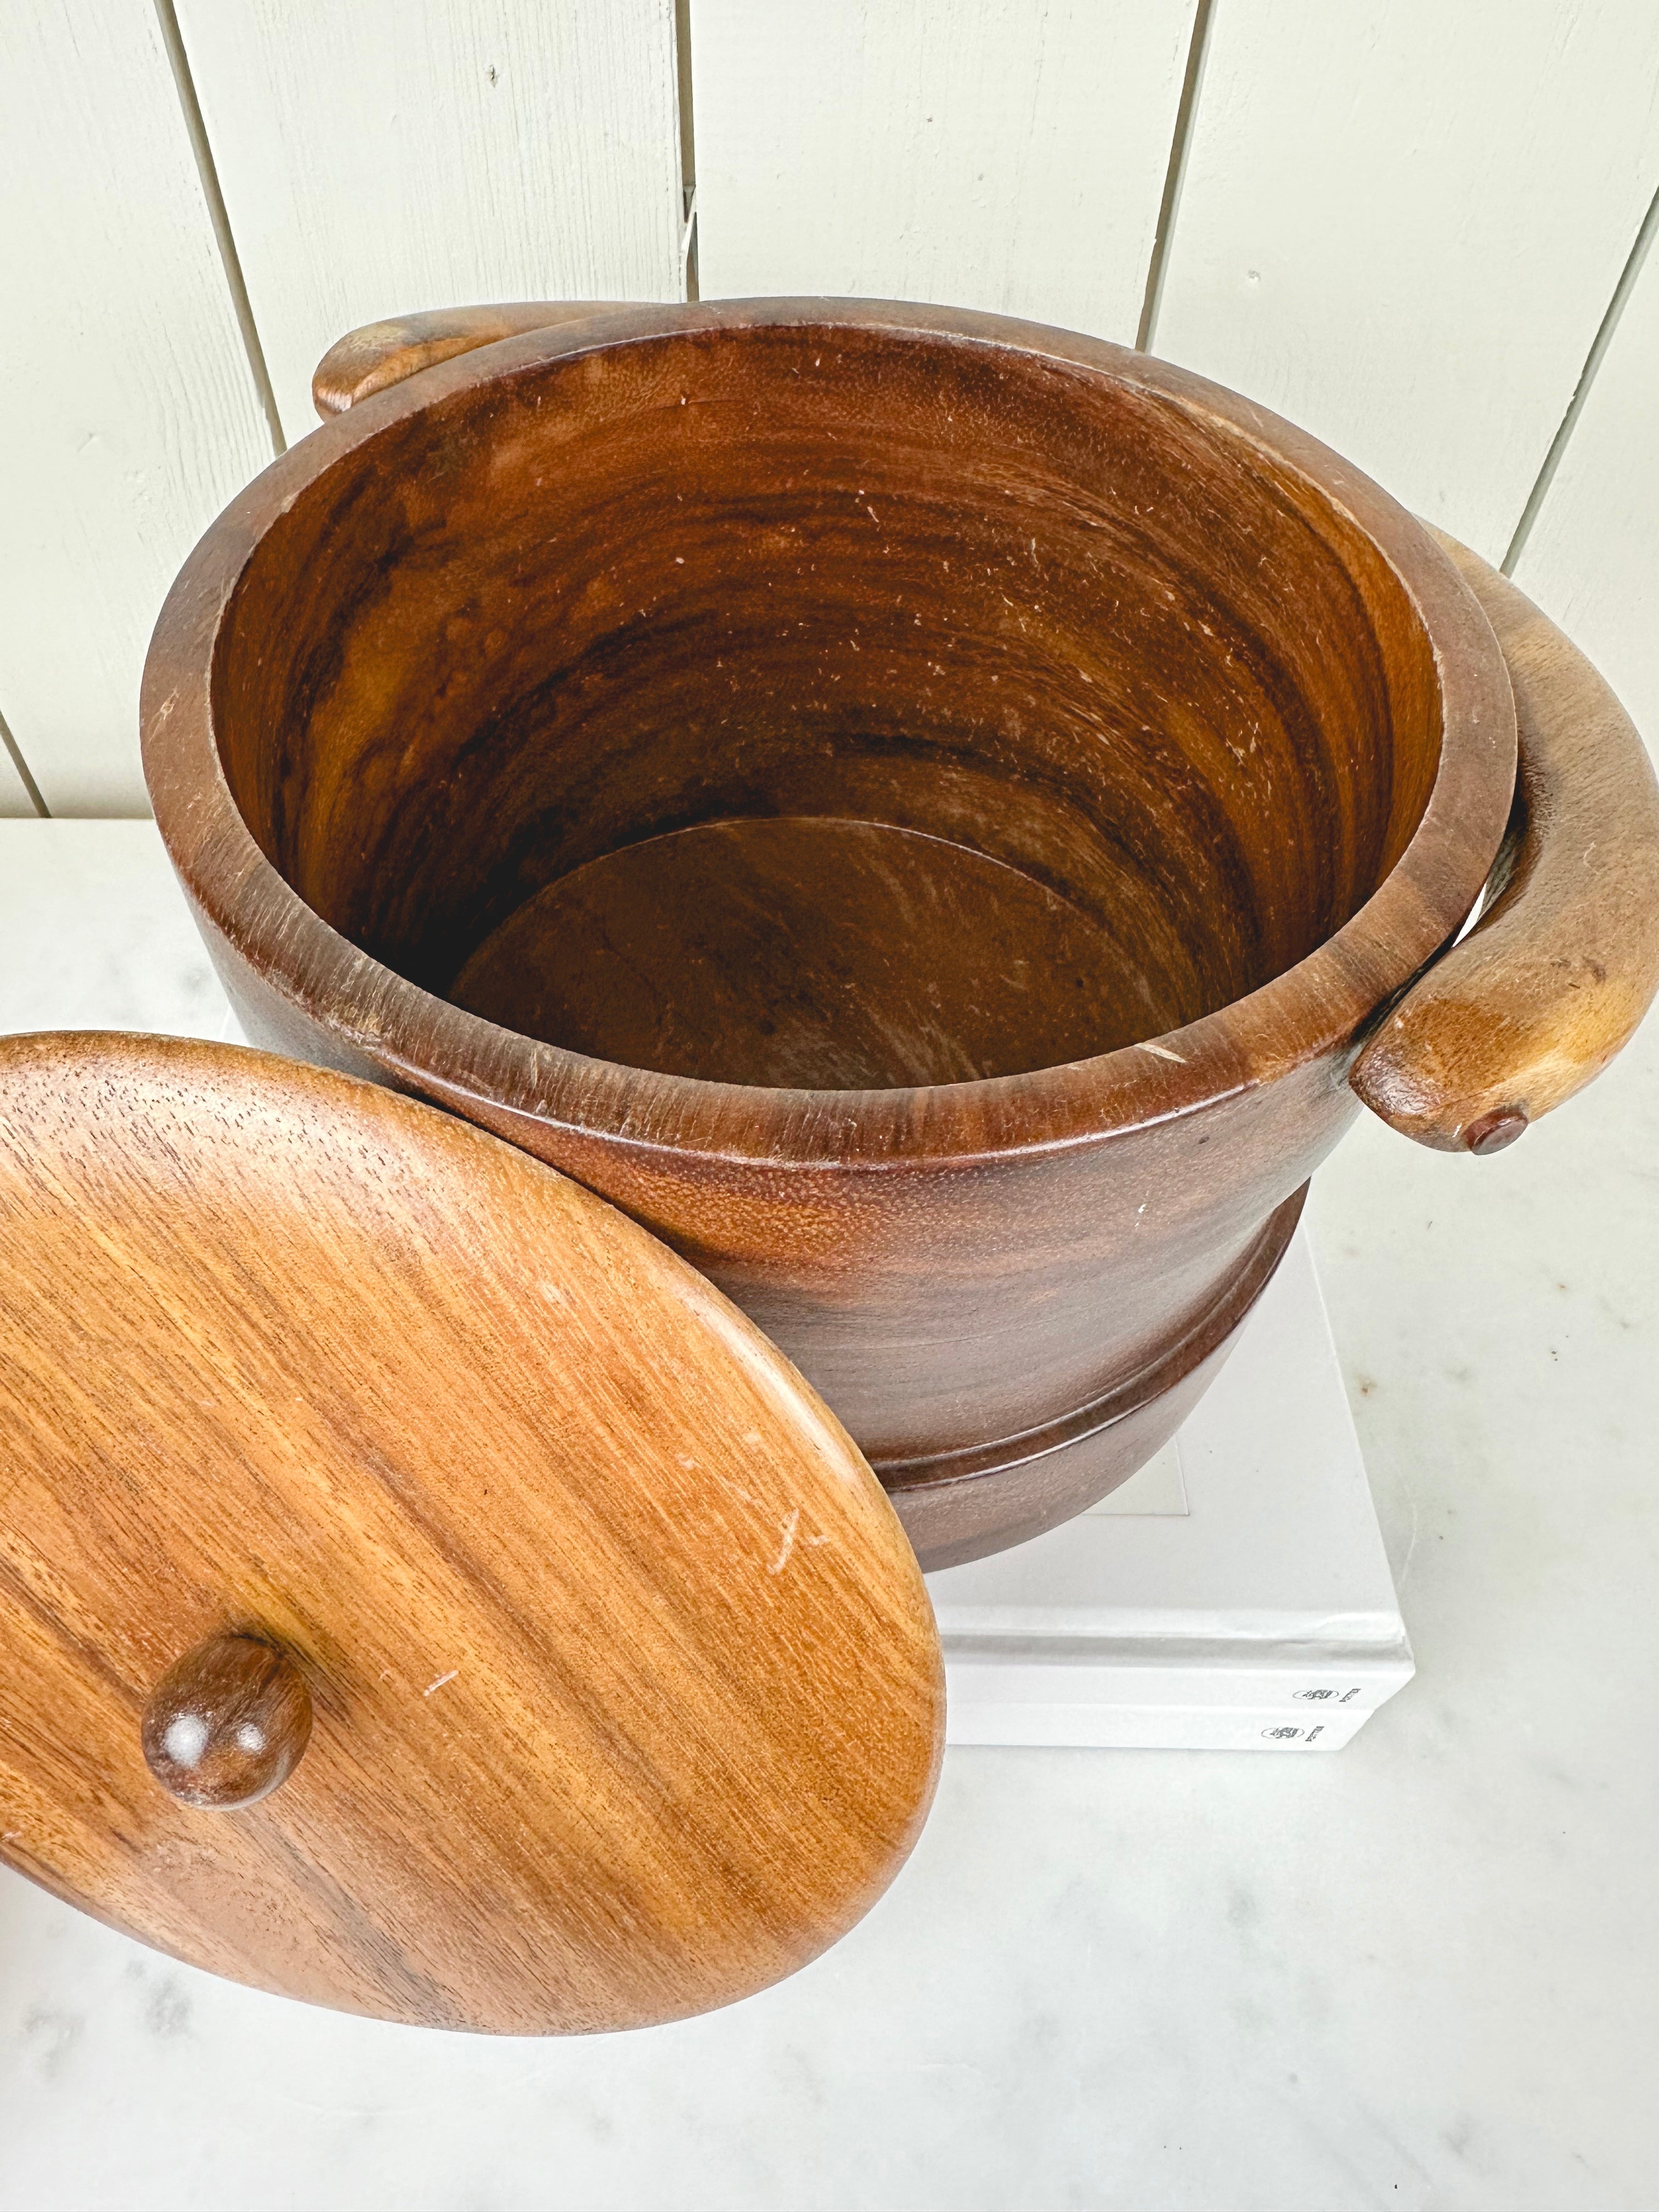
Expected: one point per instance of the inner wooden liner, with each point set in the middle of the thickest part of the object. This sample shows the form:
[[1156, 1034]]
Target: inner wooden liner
[[829, 709]]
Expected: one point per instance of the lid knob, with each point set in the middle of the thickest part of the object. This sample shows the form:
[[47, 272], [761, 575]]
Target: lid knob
[[226, 1724]]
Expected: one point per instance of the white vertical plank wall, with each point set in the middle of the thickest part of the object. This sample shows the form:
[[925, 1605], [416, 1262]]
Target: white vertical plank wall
[[1001, 153], [1591, 560], [389, 155], [1401, 224], [128, 413]]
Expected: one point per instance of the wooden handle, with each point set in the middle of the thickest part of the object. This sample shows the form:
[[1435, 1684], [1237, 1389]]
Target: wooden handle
[[226, 1724], [382, 354], [1563, 962]]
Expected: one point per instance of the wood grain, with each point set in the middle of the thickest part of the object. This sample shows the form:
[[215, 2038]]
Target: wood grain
[[1135, 653], [1563, 962], [812, 955], [994, 153], [1401, 226], [402, 152], [627, 1696], [128, 412], [383, 354]]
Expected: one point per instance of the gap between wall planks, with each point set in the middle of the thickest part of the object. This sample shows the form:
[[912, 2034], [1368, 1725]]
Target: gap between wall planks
[[989, 154], [1169, 206], [404, 154], [1591, 559], [19, 792], [682, 89], [128, 417], [152, 417], [1401, 229], [191, 108], [1603, 340]]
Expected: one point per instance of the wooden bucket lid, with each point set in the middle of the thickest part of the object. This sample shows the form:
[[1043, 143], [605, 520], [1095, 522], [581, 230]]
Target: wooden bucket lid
[[624, 1694]]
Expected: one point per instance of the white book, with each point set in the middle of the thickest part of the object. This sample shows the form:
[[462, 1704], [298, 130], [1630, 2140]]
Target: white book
[[1234, 1595]]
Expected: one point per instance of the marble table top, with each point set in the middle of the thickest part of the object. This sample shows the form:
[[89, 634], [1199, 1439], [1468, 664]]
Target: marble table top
[[1421, 1973]]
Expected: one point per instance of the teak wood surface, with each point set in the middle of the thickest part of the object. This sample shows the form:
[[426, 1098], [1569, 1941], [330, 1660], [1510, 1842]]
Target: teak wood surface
[[490, 728], [628, 1698], [1563, 962]]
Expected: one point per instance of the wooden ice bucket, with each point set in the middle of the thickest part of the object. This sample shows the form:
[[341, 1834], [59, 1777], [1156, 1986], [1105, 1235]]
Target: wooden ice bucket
[[936, 818]]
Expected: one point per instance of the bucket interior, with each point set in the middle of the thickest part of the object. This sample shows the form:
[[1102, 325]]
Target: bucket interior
[[828, 708]]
